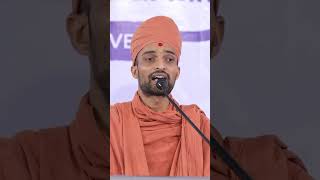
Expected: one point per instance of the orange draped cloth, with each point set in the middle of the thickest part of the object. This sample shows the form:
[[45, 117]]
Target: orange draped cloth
[[158, 29], [263, 157], [75, 152], [148, 143]]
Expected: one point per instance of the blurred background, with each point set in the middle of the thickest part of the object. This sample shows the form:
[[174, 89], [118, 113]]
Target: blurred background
[[42, 77], [266, 79]]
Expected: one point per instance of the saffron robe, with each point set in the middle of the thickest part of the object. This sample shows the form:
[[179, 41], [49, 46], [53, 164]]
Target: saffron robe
[[148, 143], [80, 152], [76, 152], [263, 158]]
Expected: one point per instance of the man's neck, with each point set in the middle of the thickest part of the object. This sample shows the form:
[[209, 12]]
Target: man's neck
[[156, 103], [98, 101]]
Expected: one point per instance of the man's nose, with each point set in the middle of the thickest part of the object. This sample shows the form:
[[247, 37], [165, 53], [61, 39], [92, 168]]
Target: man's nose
[[160, 64]]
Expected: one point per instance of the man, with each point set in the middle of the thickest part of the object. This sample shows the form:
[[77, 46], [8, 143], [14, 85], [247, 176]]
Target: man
[[148, 137], [79, 151], [264, 157]]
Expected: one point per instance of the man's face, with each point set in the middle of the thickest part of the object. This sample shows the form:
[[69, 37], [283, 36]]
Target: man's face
[[154, 62], [98, 23]]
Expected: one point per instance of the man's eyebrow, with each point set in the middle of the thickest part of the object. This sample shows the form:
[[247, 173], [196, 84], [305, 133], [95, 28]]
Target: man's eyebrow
[[148, 52], [170, 52]]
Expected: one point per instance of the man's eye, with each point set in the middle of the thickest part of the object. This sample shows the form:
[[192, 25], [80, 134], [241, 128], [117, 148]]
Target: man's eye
[[170, 59], [149, 59]]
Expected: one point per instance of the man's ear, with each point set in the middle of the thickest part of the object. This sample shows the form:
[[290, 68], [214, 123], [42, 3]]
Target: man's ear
[[178, 75], [78, 30], [134, 71], [218, 35], [220, 22]]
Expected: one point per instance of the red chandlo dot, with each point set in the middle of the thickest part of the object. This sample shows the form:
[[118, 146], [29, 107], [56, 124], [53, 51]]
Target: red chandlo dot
[[160, 44]]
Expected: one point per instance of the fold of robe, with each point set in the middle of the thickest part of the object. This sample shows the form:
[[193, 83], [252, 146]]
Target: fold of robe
[[263, 158], [76, 152], [148, 143]]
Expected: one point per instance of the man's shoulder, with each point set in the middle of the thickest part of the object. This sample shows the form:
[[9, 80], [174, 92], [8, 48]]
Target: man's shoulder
[[36, 141], [266, 152], [39, 135], [262, 144], [193, 109], [27, 149], [120, 104], [117, 111], [117, 108]]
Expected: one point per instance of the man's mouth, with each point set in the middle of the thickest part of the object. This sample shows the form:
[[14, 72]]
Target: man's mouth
[[156, 76]]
